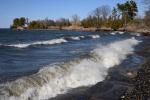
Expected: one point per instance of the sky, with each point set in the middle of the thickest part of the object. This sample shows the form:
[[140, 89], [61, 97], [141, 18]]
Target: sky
[[53, 9]]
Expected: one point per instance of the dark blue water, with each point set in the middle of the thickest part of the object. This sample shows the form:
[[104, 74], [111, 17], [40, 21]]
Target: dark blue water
[[25, 52]]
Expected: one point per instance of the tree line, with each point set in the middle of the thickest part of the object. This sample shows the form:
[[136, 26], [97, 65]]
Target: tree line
[[119, 17]]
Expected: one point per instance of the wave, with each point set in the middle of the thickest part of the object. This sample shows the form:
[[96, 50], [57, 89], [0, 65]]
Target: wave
[[58, 78], [115, 32], [95, 36], [75, 38], [136, 34], [48, 42], [82, 37], [120, 32]]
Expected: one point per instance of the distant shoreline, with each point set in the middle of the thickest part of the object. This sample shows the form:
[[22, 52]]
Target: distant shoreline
[[143, 31]]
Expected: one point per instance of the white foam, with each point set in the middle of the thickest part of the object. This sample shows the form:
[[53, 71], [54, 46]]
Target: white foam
[[82, 36], [48, 42], [138, 34], [20, 45], [95, 36], [113, 33], [121, 32], [57, 79], [75, 38]]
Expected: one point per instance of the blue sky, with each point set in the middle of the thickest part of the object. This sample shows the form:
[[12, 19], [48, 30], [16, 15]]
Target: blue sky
[[54, 9]]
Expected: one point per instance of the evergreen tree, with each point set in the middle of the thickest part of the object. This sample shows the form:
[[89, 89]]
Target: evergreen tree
[[128, 9], [19, 22]]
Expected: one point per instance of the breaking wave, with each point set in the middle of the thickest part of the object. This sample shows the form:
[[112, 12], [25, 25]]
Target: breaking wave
[[117, 32], [95, 36], [48, 42], [136, 34], [75, 38], [58, 78], [120, 32], [113, 33]]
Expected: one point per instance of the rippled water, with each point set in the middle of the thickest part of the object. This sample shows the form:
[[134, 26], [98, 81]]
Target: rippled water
[[35, 62]]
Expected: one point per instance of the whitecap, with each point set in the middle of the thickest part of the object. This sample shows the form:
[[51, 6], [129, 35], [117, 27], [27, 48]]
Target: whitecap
[[95, 36], [47, 42]]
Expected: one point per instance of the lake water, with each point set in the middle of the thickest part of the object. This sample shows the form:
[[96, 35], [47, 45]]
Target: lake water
[[39, 64]]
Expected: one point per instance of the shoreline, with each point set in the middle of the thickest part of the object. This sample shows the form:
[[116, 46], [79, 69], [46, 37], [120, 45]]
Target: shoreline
[[141, 87], [145, 32]]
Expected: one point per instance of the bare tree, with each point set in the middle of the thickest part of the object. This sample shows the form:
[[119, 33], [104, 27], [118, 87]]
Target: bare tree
[[97, 12], [102, 12], [147, 18], [147, 13], [105, 11], [75, 19]]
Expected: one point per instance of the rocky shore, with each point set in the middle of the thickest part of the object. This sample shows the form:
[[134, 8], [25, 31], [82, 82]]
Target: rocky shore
[[141, 82], [122, 83], [144, 31]]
